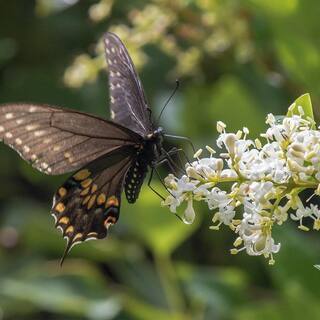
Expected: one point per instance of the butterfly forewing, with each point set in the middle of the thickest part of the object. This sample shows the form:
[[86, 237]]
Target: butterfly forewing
[[56, 140], [89, 202], [127, 99]]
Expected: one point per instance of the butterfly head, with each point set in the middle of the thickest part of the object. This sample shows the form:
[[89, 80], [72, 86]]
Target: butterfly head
[[156, 137]]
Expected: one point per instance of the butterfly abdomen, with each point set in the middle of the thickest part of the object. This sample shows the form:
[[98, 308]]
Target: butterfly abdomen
[[134, 179]]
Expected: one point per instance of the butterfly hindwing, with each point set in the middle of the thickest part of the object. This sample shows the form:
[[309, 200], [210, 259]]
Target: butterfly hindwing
[[128, 103], [57, 141], [89, 202]]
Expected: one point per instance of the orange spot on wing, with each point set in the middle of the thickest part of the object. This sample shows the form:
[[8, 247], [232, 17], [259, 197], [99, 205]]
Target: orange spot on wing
[[92, 201], [94, 188], [84, 192], [70, 229], [77, 236], [82, 174], [86, 183], [60, 207], [64, 220], [101, 199], [86, 199], [62, 192], [110, 220], [112, 201]]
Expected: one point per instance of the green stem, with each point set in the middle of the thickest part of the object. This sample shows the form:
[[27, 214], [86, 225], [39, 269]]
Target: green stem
[[168, 278], [291, 185]]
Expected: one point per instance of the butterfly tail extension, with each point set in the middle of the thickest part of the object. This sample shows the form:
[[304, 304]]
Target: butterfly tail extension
[[109, 217]]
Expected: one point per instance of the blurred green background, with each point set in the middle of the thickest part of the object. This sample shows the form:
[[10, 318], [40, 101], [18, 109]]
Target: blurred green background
[[236, 61]]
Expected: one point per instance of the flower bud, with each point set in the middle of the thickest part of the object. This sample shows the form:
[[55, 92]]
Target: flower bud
[[189, 213], [297, 154], [219, 165], [298, 147], [230, 143], [192, 173], [170, 181]]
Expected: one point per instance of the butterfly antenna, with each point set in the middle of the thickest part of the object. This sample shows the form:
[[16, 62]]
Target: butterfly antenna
[[167, 102]]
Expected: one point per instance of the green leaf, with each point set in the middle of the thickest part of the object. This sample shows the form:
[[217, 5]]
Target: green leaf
[[79, 290], [144, 311], [230, 100], [217, 290], [296, 268], [142, 278], [305, 102]]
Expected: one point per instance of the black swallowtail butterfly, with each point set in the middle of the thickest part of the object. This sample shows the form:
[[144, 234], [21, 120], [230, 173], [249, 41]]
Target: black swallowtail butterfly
[[109, 155]]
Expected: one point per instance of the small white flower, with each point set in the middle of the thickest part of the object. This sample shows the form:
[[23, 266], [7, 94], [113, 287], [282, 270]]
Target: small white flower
[[217, 198], [202, 191], [302, 212], [184, 184], [172, 202], [170, 181], [229, 173], [315, 216], [259, 190], [206, 168], [226, 214]]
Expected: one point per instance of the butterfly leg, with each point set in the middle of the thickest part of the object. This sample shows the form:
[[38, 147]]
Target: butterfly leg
[[151, 187], [159, 177], [182, 138], [154, 169], [177, 151], [173, 167], [168, 160]]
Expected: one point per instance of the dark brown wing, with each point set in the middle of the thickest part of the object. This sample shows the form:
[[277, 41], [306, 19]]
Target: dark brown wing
[[57, 141], [89, 202], [128, 102]]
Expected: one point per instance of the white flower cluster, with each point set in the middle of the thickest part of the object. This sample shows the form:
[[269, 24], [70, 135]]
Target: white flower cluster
[[265, 182]]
